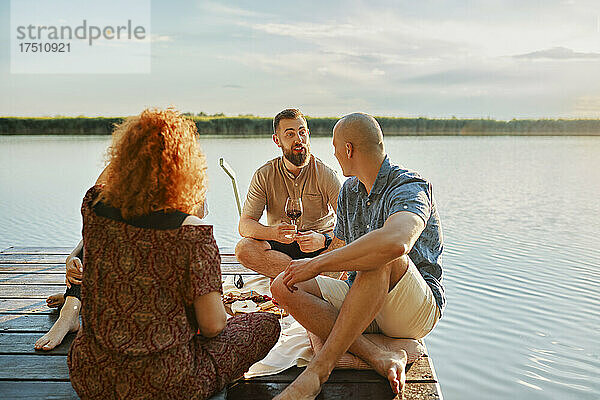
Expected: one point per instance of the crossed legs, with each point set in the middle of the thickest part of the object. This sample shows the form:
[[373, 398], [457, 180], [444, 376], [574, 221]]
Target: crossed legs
[[342, 331], [258, 256], [246, 339]]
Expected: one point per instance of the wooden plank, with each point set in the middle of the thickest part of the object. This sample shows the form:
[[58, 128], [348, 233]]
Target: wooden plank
[[431, 369], [60, 258], [32, 258], [349, 390], [31, 268], [417, 372], [228, 259], [67, 250], [422, 391], [22, 343], [353, 390], [30, 291], [32, 279], [37, 250], [36, 367], [25, 306], [59, 269], [32, 323], [54, 368], [64, 390], [15, 390], [235, 269], [420, 371]]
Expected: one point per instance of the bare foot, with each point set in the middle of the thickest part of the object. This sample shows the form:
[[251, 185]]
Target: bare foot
[[305, 387], [55, 300], [68, 321], [392, 366]]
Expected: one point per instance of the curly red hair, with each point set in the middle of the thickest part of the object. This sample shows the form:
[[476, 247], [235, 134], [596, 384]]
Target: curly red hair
[[155, 164]]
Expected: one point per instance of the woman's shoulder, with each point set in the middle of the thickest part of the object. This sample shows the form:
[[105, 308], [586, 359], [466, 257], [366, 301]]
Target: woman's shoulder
[[195, 229], [90, 197], [192, 220]]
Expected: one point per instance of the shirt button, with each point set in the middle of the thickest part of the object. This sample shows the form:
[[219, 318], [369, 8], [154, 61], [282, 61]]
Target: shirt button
[[368, 203], [368, 226], [295, 184], [405, 207]]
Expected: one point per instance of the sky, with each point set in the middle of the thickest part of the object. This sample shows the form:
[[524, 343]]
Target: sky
[[500, 59]]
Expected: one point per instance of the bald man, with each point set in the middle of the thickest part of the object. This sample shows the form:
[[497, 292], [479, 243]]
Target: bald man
[[388, 232]]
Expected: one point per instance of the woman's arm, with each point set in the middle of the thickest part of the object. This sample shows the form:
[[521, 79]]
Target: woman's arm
[[210, 314], [74, 267], [209, 309]]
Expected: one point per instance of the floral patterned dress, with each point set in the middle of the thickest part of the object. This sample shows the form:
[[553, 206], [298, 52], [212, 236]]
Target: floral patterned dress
[[138, 336]]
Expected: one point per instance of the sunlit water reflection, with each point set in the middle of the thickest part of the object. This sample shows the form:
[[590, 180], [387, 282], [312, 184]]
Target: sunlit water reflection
[[521, 220]]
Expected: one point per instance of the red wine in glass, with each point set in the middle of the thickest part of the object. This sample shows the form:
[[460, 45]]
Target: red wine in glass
[[293, 209]]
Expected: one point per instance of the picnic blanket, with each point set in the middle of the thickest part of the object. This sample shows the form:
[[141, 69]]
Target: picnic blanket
[[293, 347], [296, 346]]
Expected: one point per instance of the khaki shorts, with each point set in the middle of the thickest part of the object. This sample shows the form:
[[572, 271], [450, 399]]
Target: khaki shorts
[[409, 311]]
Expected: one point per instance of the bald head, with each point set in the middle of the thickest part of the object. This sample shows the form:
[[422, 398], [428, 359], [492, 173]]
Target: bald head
[[362, 130]]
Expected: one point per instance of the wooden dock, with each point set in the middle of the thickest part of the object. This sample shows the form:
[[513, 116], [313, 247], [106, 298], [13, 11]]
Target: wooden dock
[[29, 274]]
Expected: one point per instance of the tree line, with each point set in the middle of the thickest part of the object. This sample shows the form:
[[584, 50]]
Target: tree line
[[244, 125]]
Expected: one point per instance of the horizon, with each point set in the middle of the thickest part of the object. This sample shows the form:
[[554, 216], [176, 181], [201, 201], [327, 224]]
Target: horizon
[[222, 115], [499, 60]]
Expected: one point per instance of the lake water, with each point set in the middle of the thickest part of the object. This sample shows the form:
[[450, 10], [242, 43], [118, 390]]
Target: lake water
[[521, 219]]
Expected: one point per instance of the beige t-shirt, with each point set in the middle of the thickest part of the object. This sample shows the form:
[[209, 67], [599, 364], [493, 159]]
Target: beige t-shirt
[[272, 184]]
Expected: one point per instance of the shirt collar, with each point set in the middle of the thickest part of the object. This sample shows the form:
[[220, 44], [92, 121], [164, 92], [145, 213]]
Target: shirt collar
[[291, 176], [380, 180]]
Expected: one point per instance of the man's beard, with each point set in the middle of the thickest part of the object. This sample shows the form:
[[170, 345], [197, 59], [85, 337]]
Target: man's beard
[[298, 159]]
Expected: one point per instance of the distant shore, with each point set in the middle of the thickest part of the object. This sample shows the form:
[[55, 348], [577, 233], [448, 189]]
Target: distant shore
[[259, 126]]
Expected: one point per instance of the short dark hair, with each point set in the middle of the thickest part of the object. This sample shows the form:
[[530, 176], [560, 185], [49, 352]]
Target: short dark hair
[[288, 113]]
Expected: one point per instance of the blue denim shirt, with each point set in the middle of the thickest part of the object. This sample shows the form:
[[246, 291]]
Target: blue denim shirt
[[395, 189]]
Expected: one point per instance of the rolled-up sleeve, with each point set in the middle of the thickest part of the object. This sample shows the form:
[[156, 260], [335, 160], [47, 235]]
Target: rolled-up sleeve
[[256, 200], [333, 189], [204, 273], [414, 196]]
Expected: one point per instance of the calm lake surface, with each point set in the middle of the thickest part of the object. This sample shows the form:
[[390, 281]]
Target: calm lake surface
[[521, 219]]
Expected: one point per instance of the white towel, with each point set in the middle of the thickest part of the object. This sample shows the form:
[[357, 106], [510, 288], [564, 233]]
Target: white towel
[[293, 347]]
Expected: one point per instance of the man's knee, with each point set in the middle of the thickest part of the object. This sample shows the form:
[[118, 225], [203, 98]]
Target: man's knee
[[391, 272], [284, 296], [279, 290], [247, 248]]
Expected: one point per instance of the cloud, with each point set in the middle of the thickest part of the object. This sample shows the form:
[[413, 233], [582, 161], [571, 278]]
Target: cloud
[[385, 58], [558, 53], [382, 29], [587, 107], [218, 8], [313, 67], [156, 38], [481, 75], [307, 30]]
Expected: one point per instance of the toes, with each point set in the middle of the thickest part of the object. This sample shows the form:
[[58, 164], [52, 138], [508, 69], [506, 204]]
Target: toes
[[41, 342], [401, 380], [394, 382], [50, 345]]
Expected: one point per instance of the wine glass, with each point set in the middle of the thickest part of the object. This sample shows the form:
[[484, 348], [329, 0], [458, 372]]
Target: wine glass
[[293, 209]]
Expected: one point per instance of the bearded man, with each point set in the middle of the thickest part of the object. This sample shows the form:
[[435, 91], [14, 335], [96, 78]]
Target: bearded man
[[268, 249]]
